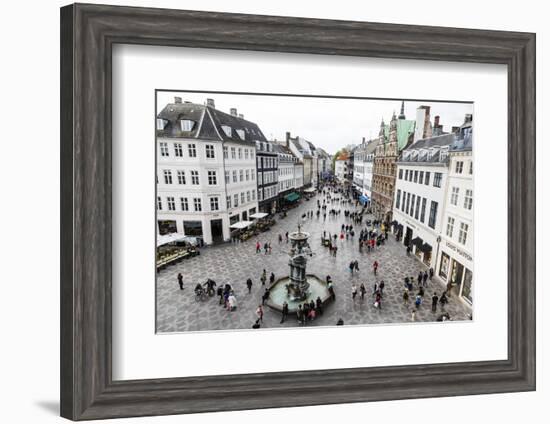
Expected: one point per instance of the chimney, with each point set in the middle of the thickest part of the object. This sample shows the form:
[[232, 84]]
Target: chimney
[[241, 116], [468, 118], [177, 100], [288, 139], [455, 129], [363, 140], [436, 121], [210, 103], [233, 111]]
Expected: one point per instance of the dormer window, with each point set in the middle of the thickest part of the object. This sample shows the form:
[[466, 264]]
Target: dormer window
[[241, 134], [161, 123], [227, 130], [187, 124]]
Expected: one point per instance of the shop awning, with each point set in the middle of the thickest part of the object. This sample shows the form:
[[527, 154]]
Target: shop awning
[[426, 248], [240, 225], [258, 215], [363, 199], [417, 241], [310, 190], [170, 238], [292, 197]]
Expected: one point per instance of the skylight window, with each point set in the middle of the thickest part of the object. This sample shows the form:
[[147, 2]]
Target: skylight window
[[227, 130], [187, 125]]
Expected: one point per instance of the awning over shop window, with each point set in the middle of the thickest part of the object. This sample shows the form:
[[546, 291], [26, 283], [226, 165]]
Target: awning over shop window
[[240, 225], [363, 199], [426, 248], [417, 241], [292, 197]]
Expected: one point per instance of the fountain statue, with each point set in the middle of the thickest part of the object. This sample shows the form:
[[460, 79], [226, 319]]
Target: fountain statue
[[299, 286]]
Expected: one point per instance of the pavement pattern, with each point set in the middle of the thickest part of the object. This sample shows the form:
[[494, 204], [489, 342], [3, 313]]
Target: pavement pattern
[[234, 263]]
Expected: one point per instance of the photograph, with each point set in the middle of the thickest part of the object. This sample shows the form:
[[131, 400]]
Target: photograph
[[292, 211]]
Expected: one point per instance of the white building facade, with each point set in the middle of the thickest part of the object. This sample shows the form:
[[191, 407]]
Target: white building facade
[[206, 170], [455, 256], [421, 184], [341, 167]]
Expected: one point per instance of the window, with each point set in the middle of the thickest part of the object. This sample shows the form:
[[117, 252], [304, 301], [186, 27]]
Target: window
[[242, 197], [415, 176], [227, 130], [252, 175], [159, 203], [234, 176], [187, 124], [421, 177], [167, 176], [423, 210], [408, 202], [253, 194], [197, 204], [251, 154], [181, 177], [247, 175], [214, 204], [398, 199], [171, 203], [417, 210], [212, 180], [192, 151], [161, 123], [407, 175], [195, 177], [228, 201], [411, 211], [246, 153], [427, 179], [463, 233], [164, 149], [403, 203], [178, 150], [184, 204], [437, 179], [225, 152], [236, 200], [248, 196], [454, 196], [233, 155], [433, 214], [241, 134], [240, 153], [471, 167], [459, 166], [468, 200], [241, 175], [209, 151], [450, 226]]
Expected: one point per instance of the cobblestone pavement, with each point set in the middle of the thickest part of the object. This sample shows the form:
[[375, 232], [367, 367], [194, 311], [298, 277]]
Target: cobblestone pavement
[[177, 310]]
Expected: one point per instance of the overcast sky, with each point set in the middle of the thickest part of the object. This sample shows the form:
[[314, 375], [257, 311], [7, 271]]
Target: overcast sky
[[327, 122]]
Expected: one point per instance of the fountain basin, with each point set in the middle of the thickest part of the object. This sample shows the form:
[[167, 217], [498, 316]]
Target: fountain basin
[[278, 293]]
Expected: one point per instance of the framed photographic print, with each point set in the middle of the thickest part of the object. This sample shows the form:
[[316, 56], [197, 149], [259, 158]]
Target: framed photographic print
[[268, 211]]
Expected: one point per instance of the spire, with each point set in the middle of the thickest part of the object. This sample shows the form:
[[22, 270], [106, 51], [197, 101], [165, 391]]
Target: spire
[[402, 114], [382, 125]]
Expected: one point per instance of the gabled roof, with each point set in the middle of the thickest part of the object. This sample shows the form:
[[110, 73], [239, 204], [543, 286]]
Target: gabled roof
[[208, 123], [405, 128]]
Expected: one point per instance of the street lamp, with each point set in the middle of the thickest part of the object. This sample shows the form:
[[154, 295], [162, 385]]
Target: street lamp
[[438, 239]]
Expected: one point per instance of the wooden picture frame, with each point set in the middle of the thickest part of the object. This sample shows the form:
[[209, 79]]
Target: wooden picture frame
[[88, 33]]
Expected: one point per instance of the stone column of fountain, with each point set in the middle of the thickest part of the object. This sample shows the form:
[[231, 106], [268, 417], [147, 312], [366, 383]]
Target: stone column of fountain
[[298, 286]]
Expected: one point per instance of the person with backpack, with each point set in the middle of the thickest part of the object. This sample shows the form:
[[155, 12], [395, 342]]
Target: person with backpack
[[434, 302], [418, 301], [375, 267], [405, 297], [249, 285]]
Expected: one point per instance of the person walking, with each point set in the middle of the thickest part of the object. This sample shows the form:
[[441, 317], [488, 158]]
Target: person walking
[[381, 288], [284, 311], [405, 297], [258, 247], [375, 267], [249, 285], [300, 314], [435, 299], [263, 278], [266, 247], [413, 315], [431, 273], [425, 279], [265, 296], [286, 236], [271, 279], [260, 313], [353, 291], [351, 267], [180, 280], [363, 290], [443, 301], [356, 265], [419, 278], [418, 301], [378, 300], [280, 238]]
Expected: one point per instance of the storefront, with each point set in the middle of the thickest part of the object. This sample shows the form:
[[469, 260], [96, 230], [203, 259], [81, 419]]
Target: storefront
[[455, 268]]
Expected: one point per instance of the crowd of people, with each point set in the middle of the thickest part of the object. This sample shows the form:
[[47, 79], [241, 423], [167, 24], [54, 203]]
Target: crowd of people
[[338, 204]]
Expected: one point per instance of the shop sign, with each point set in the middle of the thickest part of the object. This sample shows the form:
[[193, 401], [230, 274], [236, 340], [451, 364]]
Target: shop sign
[[458, 250]]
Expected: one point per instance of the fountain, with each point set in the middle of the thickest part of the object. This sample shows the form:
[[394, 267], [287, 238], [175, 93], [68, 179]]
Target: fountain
[[299, 287]]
